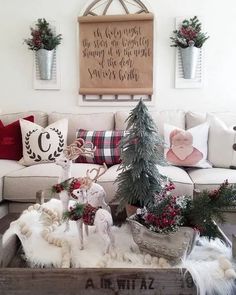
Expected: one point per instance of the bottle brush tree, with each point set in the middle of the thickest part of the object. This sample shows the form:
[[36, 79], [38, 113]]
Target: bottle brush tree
[[139, 179]]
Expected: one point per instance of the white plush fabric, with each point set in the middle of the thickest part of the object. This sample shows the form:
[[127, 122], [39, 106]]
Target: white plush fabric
[[211, 178], [42, 145], [220, 143], [99, 121], [207, 263], [187, 147], [6, 167]]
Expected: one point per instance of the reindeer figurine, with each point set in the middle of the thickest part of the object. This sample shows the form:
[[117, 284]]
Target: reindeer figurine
[[87, 192], [91, 192], [70, 153]]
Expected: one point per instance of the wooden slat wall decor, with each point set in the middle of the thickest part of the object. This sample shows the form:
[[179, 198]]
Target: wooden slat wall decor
[[22, 281], [116, 54]]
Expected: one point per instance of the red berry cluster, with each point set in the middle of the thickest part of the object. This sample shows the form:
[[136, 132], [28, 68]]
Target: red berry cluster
[[37, 39], [188, 33], [215, 194], [57, 188], [73, 213], [169, 187], [167, 219]]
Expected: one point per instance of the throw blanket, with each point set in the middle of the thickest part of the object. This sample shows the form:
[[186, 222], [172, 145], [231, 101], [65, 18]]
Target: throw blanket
[[46, 244]]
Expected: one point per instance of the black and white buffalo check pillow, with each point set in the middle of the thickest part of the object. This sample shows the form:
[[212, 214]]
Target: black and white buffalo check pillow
[[106, 143]]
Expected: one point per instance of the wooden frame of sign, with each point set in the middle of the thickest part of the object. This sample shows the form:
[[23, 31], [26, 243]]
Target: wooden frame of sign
[[116, 54]]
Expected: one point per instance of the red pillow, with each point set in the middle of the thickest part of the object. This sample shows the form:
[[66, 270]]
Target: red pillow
[[107, 146], [11, 141]]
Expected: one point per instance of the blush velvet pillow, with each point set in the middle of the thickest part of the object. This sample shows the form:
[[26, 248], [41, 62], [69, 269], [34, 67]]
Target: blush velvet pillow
[[10, 140], [187, 147], [106, 143], [42, 145]]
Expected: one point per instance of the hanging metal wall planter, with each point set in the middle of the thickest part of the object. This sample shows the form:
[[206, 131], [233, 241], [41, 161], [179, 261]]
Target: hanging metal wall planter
[[190, 57], [45, 63]]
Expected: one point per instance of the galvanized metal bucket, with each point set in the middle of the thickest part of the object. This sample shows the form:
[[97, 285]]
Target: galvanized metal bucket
[[189, 60], [45, 63], [172, 246]]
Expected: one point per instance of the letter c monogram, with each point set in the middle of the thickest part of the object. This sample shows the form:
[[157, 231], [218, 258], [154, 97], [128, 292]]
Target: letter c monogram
[[40, 142]]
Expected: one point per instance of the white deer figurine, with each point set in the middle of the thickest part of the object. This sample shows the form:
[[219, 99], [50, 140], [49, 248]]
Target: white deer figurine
[[86, 191], [70, 153], [90, 191], [102, 220]]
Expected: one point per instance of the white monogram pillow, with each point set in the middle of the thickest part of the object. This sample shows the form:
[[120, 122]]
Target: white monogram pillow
[[42, 145]]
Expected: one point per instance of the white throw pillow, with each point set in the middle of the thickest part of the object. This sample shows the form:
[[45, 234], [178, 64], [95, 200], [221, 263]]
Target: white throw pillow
[[43, 145], [220, 144], [187, 147]]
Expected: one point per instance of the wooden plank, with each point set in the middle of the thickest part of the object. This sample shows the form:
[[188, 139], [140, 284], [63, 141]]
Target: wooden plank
[[116, 18], [17, 281], [40, 197], [18, 261], [8, 250], [6, 220], [234, 246], [134, 91]]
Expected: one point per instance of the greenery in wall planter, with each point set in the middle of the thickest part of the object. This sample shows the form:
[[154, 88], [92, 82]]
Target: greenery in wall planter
[[43, 41], [189, 38]]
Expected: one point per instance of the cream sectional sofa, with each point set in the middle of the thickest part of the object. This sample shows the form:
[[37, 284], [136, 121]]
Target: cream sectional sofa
[[19, 184]]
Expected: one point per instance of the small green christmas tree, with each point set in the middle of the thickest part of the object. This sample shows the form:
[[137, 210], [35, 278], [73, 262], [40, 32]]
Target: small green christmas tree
[[140, 179]]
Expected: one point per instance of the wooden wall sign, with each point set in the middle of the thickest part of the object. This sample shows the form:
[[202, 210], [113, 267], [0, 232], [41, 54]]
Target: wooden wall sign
[[116, 54]]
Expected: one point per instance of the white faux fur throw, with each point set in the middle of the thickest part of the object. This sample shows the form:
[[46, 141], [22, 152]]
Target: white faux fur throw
[[47, 245]]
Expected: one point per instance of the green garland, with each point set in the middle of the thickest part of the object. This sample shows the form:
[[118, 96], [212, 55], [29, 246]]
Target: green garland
[[207, 207], [75, 212], [63, 186]]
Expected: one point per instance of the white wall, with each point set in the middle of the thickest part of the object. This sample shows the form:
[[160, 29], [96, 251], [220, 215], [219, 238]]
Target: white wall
[[17, 93]]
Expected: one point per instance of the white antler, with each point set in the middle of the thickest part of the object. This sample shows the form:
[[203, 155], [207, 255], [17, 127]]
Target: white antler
[[98, 173], [79, 148]]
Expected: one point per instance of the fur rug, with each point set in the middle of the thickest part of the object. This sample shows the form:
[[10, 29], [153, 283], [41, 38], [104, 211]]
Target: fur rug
[[46, 244]]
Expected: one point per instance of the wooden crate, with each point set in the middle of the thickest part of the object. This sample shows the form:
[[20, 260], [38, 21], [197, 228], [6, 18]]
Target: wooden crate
[[17, 279]]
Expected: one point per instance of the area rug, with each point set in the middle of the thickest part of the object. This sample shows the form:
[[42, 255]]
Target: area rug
[[46, 244]]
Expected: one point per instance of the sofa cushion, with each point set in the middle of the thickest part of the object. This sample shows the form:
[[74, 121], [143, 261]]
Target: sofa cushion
[[100, 121], [22, 185], [211, 178], [6, 167], [173, 117], [196, 118], [11, 140], [40, 118], [222, 140], [181, 179]]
